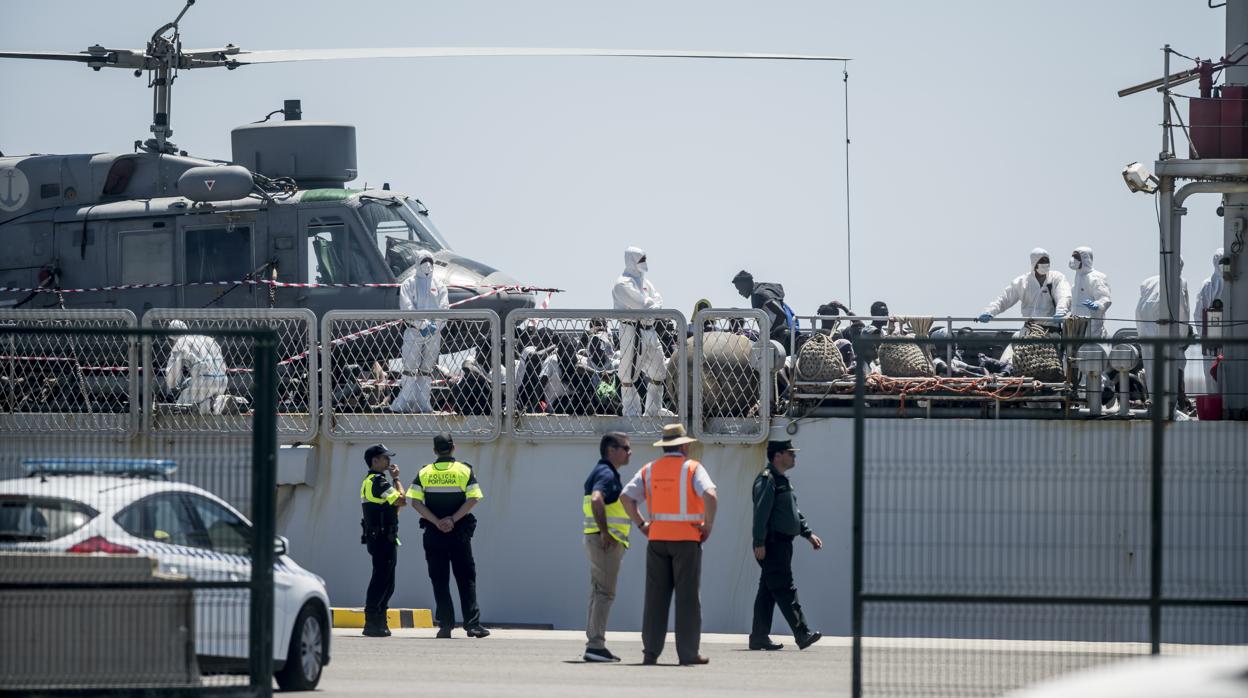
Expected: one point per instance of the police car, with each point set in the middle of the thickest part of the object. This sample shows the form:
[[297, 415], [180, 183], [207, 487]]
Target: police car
[[131, 507]]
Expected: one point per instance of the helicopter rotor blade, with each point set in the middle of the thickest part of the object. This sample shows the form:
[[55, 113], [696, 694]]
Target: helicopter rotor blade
[[291, 55], [50, 56]]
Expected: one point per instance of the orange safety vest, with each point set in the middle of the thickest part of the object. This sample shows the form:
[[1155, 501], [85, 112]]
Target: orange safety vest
[[676, 511]]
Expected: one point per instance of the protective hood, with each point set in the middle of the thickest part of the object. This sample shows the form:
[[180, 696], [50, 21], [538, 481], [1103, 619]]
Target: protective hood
[[1085, 257], [1036, 254], [632, 262], [424, 266], [1215, 280]]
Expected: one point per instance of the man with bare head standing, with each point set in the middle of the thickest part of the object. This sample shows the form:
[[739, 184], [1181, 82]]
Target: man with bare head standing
[[680, 502], [606, 539]]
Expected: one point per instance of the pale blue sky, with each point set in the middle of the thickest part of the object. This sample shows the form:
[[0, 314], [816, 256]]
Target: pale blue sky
[[980, 130]]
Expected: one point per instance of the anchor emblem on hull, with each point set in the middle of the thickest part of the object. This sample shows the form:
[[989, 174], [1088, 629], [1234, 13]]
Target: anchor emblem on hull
[[13, 189]]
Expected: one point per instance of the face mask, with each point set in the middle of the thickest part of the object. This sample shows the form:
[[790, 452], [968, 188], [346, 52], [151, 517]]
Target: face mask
[[1042, 269], [644, 266], [425, 269], [1074, 263]]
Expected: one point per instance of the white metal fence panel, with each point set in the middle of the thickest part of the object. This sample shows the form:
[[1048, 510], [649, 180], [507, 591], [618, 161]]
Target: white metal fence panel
[[580, 373], [732, 376], [201, 384], [81, 384], [407, 373]]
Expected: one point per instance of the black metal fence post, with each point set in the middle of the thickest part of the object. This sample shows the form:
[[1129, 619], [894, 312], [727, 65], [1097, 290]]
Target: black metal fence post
[[859, 448], [264, 498], [1160, 413]]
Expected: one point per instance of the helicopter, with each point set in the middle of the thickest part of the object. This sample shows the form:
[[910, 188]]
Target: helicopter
[[274, 226]]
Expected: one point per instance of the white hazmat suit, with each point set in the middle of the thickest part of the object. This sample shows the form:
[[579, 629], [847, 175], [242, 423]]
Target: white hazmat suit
[[640, 350], [200, 357], [1210, 291], [1091, 292], [1148, 312], [1047, 299], [422, 341]]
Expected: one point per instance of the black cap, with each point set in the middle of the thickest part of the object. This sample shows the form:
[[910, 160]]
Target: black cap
[[443, 443], [774, 447], [376, 450]]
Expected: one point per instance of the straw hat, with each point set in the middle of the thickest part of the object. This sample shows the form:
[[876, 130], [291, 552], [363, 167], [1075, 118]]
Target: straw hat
[[674, 435]]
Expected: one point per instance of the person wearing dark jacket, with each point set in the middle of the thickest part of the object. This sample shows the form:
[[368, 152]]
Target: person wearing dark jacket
[[777, 521], [769, 298]]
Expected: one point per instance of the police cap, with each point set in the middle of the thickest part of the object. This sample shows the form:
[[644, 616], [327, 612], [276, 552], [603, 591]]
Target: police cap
[[376, 450]]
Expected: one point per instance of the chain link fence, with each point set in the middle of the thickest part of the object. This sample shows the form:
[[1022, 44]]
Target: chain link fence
[[65, 383], [412, 373], [990, 556], [580, 373], [736, 371], [130, 566], [205, 383]]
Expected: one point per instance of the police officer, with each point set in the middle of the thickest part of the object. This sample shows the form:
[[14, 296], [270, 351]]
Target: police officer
[[444, 493], [777, 522], [380, 501]]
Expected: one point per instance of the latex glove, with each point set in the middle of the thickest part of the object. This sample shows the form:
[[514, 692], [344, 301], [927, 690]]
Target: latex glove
[[985, 317], [1092, 304], [1059, 317], [428, 328]]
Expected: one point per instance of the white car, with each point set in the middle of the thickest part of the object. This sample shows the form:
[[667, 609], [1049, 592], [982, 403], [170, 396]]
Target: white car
[[128, 506]]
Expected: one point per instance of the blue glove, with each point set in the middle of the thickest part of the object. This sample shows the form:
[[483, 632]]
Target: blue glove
[[1059, 317], [428, 329], [1092, 304], [985, 317]]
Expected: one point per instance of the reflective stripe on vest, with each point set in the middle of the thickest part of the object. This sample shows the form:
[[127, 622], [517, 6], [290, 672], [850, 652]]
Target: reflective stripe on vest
[[366, 492], [673, 515], [618, 523]]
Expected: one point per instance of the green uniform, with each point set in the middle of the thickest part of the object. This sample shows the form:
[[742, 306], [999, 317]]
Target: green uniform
[[777, 521]]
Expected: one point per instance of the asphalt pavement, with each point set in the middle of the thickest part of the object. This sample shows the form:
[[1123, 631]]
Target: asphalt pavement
[[548, 663]]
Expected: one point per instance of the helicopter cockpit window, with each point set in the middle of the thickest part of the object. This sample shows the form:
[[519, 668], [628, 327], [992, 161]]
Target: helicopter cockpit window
[[400, 236], [218, 254], [333, 257]]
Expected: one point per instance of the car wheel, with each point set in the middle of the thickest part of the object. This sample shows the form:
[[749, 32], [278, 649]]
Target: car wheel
[[306, 656]]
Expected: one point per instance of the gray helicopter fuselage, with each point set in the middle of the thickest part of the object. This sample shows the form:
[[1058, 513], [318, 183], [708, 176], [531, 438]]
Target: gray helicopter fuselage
[[121, 220]]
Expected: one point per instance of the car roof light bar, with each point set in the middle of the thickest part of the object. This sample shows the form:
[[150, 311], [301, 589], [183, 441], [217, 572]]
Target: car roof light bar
[[144, 467]]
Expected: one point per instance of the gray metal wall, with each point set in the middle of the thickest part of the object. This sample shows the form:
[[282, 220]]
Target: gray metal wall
[[532, 567]]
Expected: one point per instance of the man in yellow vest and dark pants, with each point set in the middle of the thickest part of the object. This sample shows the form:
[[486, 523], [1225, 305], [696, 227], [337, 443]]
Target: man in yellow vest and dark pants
[[606, 539], [444, 493], [380, 501], [681, 503]]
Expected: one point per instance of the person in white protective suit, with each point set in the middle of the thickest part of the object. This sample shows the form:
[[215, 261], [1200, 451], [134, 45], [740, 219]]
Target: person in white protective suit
[[1148, 312], [1210, 291], [1091, 297], [199, 356], [641, 354], [422, 341], [1042, 293]]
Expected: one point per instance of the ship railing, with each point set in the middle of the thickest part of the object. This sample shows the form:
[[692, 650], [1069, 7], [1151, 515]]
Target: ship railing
[[204, 384], [411, 373], [735, 370], [69, 384], [567, 372]]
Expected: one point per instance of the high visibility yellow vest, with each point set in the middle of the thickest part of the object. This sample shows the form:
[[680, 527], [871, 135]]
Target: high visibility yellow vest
[[618, 523]]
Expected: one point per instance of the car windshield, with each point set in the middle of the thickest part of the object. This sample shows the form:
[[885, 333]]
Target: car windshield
[[402, 232], [25, 518]]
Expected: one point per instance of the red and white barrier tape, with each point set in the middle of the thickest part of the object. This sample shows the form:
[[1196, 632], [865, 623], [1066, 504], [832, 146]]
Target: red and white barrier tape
[[254, 282]]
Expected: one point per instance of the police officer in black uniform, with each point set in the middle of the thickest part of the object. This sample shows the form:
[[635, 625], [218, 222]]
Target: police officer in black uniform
[[444, 493], [380, 499], [777, 521]]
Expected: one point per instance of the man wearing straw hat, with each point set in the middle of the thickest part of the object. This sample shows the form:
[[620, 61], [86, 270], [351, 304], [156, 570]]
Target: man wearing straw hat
[[680, 503]]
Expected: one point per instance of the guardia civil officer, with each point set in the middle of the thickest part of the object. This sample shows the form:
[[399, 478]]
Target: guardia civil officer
[[444, 493], [777, 521], [380, 501]]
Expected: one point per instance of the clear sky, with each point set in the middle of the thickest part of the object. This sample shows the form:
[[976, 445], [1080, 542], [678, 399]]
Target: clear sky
[[980, 130]]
